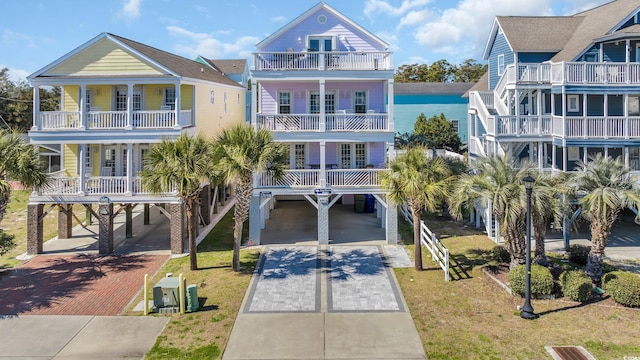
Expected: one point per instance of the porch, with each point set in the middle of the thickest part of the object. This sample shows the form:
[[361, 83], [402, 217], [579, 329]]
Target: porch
[[94, 185], [114, 120], [371, 121], [322, 60]]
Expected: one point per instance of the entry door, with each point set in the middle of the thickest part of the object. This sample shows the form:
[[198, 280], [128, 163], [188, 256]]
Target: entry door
[[320, 43], [114, 161], [121, 99]]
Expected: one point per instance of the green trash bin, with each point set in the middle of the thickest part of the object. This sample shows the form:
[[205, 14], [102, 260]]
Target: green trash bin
[[192, 298], [359, 203]]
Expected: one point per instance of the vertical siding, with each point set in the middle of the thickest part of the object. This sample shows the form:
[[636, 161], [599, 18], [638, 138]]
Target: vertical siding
[[500, 46], [70, 161], [71, 97], [354, 40]]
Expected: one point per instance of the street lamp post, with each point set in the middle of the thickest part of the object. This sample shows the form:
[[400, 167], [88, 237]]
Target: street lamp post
[[527, 309]]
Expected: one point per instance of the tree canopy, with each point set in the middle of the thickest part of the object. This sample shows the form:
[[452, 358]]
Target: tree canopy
[[437, 131], [440, 71], [16, 101]]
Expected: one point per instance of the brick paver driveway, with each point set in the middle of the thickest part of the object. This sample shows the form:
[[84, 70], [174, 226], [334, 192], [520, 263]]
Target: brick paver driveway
[[75, 284]]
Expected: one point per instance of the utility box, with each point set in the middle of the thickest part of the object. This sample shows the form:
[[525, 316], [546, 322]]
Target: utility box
[[192, 298], [359, 203], [166, 295]]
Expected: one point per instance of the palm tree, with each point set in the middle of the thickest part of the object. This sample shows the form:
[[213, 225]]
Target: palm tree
[[240, 152], [604, 188], [18, 161], [546, 204], [181, 165], [497, 185], [419, 182]]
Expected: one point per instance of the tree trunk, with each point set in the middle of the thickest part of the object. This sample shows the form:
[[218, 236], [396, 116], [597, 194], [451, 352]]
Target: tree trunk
[[416, 240], [191, 231], [540, 255], [516, 246], [244, 192], [596, 255], [4, 203]]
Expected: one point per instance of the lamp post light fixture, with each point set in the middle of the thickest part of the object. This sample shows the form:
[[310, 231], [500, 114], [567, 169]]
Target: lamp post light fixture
[[527, 309]]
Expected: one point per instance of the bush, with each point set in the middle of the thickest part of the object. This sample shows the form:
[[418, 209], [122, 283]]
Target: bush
[[624, 287], [541, 280], [500, 254], [576, 285], [6, 242], [579, 254]]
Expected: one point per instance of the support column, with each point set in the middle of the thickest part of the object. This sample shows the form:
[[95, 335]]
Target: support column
[[541, 157], [177, 228], [37, 125], [390, 105], [254, 94], [205, 204], [254, 220], [129, 107], [177, 107], [82, 107], [88, 216], [323, 166], [392, 223], [105, 228], [145, 214], [65, 220], [323, 118], [82, 170], [553, 156], [34, 229], [323, 220], [129, 169], [128, 211]]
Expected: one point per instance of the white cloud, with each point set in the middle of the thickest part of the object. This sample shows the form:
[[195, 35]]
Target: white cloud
[[576, 6], [131, 10], [11, 37], [414, 18], [417, 60], [192, 44], [383, 6], [277, 19], [16, 75], [391, 39], [462, 31]]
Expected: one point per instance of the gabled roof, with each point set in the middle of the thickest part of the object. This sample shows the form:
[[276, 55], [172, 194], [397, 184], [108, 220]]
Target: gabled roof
[[456, 88], [308, 13], [170, 64], [481, 85], [227, 66]]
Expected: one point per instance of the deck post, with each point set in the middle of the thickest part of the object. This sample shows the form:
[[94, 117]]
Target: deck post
[[65, 220], [177, 228], [254, 220], [392, 224], [34, 229], [105, 228], [128, 210], [145, 214]]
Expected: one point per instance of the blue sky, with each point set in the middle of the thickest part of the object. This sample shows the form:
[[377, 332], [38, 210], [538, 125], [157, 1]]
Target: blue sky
[[35, 33]]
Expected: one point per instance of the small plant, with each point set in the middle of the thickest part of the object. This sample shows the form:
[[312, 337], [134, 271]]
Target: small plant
[[579, 254], [624, 287], [541, 280], [500, 254], [576, 285]]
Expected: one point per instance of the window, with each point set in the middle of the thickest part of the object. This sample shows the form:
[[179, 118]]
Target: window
[[88, 100], [573, 103], [109, 162], [169, 100], [360, 102], [314, 103], [456, 125], [353, 155], [284, 103], [345, 156], [360, 155], [634, 105], [88, 164], [634, 158], [329, 103], [299, 156], [212, 96], [500, 64]]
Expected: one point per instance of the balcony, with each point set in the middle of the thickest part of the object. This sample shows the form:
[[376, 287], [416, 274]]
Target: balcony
[[336, 178], [523, 125], [329, 60], [578, 73], [374, 122], [114, 120], [599, 127], [96, 185]]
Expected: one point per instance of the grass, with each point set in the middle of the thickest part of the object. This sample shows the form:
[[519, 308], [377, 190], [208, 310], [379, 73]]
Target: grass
[[15, 222], [471, 317], [204, 334]]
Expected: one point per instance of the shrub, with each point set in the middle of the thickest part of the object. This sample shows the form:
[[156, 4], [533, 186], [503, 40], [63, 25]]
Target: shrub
[[624, 287], [576, 285], [541, 280], [579, 254], [500, 254]]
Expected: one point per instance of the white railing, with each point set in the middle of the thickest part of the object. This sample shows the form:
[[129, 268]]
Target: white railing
[[61, 186], [292, 178], [538, 73], [354, 177], [487, 120], [487, 98], [595, 73], [596, 127], [150, 119], [289, 122], [106, 185], [524, 125], [319, 60], [357, 122], [475, 146], [439, 253], [54, 120], [96, 185], [106, 119]]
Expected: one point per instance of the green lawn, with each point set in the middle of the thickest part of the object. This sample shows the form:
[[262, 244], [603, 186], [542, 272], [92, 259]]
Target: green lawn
[[471, 317]]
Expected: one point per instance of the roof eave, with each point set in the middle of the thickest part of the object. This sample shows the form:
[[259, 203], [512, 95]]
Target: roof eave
[[492, 37]]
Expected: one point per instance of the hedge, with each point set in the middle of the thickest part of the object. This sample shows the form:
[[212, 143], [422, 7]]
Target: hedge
[[624, 287], [541, 280], [579, 254], [500, 254], [576, 285]]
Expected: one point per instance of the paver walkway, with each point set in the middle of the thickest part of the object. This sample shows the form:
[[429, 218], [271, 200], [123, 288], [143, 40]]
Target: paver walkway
[[79, 284], [324, 302]]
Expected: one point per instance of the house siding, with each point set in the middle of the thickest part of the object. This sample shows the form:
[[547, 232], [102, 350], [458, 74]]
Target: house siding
[[407, 107], [210, 119], [500, 47], [71, 94], [612, 52], [534, 57], [104, 57], [70, 159], [591, 55]]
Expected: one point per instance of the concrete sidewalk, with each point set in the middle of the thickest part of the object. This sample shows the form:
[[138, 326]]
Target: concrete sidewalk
[[324, 302], [78, 337]]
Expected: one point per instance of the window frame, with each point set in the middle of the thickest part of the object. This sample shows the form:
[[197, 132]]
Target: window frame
[[500, 64]]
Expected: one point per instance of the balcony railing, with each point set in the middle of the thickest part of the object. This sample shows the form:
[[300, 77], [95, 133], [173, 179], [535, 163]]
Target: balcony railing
[[113, 120], [97, 185], [292, 179], [354, 177], [333, 122], [302, 178], [323, 60], [595, 73], [530, 125], [616, 127]]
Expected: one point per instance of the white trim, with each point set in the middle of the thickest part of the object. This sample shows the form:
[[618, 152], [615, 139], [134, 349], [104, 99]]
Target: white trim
[[500, 56], [570, 107], [624, 20]]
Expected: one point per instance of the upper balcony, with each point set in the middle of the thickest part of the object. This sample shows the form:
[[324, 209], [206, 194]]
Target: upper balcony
[[337, 179], [572, 73], [322, 60], [113, 120], [337, 122]]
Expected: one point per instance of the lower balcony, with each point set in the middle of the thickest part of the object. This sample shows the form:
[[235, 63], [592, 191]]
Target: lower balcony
[[335, 178], [115, 120], [375, 122], [96, 185]]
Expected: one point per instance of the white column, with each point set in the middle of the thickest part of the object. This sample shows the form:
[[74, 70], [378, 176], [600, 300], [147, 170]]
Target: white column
[[625, 125], [584, 154], [391, 153], [564, 157], [553, 156], [177, 107], [391, 223], [584, 114], [129, 168], [626, 157], [323, 120], [254, 220], [628, 52], [37, 125], [129, 106], [81, 169], [82, 106], [323, 166], [390, 105], [254, 107], [541, 156]]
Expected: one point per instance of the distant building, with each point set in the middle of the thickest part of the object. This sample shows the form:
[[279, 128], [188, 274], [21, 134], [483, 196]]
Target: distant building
[[412, 99]]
